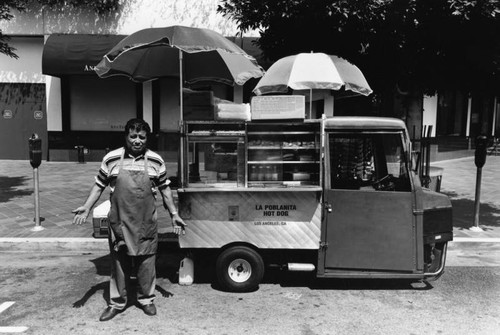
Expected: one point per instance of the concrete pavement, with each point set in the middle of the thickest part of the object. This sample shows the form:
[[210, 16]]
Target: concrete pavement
[[65, 185], [459, 183]]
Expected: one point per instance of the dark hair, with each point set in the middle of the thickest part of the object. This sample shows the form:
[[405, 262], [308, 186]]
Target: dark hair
[[137, 125]]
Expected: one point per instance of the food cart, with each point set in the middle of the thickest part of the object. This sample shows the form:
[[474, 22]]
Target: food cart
[[335, 196]]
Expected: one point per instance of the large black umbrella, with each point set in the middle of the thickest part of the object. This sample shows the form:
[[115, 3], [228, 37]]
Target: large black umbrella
[[192, 54], [203, 55]]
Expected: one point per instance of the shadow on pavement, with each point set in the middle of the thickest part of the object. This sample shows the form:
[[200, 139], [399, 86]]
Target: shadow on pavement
[[463, 213], [9, 186], [288, 279], [103, 268], [167, 263], [102, 265], [168, 260], [103, 286]]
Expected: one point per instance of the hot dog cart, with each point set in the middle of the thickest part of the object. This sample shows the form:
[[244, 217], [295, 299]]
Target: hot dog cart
[[336, 196]]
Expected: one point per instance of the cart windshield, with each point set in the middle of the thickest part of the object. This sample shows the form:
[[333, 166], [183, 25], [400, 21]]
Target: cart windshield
[[368, 161]]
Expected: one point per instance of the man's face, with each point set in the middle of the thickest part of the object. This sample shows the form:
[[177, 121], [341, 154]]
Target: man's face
[[136, 142]]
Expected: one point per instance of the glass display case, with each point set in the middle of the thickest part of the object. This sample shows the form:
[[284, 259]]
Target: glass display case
[[251, 154], [285, 154], [214, 154]]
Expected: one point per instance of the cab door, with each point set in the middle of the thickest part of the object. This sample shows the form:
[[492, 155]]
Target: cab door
[[369, 221]]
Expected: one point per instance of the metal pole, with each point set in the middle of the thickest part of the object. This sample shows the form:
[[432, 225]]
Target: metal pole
[[428, 154], [477, 201], [38, 225], [422, 152], [181, 137], [181, 103], [310, 102]]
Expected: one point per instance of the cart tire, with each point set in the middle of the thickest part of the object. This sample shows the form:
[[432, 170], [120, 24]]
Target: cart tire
[[239, 269]]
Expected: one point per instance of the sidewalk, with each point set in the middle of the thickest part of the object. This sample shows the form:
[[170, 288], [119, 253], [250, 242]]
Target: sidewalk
[[64, 186], [459, 183]]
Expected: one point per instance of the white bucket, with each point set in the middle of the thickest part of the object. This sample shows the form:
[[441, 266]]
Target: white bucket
[[186, 272]]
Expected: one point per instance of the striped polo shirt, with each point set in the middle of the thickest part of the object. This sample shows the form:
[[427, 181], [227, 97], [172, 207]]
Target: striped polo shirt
[[110, 167]]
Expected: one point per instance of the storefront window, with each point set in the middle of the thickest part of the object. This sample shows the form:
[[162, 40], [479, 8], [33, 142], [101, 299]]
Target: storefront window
[[101, 104]]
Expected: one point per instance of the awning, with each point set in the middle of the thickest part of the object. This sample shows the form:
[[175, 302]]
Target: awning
[[75, 54]]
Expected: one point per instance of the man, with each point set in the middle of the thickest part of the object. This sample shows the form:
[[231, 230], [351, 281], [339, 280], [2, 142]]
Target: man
[[133, 173]]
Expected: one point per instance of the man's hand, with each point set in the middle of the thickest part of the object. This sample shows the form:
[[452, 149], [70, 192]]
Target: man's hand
[[81, 214], [179, 225]]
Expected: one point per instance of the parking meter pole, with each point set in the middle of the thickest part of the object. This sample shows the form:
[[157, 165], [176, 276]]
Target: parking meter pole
[[477, 201], [38, 225], [35, 153], [479, 160]]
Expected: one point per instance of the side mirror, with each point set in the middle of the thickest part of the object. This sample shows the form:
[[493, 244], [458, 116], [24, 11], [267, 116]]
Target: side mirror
[[480, 153], [35, 150]]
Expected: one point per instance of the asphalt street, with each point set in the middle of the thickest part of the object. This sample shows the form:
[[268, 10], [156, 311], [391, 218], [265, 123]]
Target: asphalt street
[[53, 294]]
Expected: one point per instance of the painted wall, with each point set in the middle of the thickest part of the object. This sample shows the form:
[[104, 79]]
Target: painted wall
[[22, 113], [147, 102], [54, 105], [169, 104], [430, 112]]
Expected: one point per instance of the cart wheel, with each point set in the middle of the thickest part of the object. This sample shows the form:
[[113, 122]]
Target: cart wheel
[[239, 269]]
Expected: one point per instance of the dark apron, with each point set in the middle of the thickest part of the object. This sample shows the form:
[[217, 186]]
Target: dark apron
[[132, 217]]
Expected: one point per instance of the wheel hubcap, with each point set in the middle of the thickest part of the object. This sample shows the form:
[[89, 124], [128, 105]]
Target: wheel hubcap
[[239, 270]]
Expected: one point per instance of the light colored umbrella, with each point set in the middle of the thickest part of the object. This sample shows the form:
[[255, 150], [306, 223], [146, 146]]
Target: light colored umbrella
[[313, 71]]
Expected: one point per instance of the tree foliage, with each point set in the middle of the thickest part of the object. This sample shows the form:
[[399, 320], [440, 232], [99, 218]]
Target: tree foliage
[[5, 14], [6, 6], [99, 6], [430, 44]]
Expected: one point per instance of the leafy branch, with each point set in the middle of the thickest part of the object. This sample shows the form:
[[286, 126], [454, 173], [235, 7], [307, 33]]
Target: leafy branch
[[99, 6]]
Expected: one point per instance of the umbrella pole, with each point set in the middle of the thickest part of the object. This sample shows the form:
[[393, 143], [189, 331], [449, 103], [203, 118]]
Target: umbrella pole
[[181, 139], [181, 103], [310, 102]]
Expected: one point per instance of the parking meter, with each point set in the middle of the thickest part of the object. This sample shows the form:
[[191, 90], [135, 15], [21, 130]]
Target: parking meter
[[35, 148], [479, 160], [480, 153]]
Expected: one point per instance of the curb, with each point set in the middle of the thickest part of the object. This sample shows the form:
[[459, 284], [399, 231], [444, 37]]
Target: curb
[[54, 244], [451, 160], [476, 240], [88, 244]]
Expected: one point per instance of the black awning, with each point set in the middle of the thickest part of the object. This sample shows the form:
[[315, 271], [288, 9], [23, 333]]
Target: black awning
[[75, 54]]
